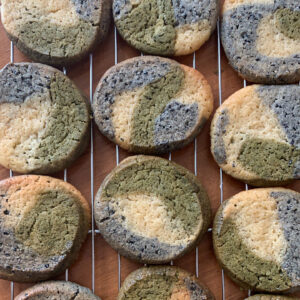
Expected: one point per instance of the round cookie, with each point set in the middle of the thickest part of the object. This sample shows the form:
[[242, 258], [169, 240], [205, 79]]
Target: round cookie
[[163, 283], [166, 27], [44, 119], [271, 297], [57, 290], [256, 239], [255, 135], [43, 223], [151, 104], [261, 39], [151, 210], [57, 32]]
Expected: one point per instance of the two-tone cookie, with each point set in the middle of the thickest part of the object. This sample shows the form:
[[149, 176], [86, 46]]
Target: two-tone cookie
[[256, 239], [271, 297], [43, 223], [255, 134], [163, 283], [261, 39], [169, 27], [57, 32], [151, 104], [57, 290], [151, 210], [44, 119]]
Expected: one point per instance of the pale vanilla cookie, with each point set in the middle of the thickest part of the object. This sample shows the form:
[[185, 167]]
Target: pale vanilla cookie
[[57, 290], [256, 237], [56, 32], [255, 135], [44, 119], [271, 297], [163, 283], [166, 27], [151, 104], [261, 39], [43, 223], [151, 210]]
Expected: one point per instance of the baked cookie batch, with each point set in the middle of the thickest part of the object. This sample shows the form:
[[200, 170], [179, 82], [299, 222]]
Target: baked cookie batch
[[149, 209]]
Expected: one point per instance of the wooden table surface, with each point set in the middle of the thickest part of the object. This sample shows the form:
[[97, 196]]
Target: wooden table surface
[[97, 266]]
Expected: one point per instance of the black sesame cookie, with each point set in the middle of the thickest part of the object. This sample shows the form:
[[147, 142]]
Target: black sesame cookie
[[43, 223], [261, 39], [57, 290], [57, 32], [166, 27], [151, 210], [151, 104], [163, 283], [271, 297], [44, 119], [255, 134], [256, 236]]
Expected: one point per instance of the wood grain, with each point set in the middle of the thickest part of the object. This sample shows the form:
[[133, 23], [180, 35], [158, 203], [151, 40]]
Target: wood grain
[[106, 259]]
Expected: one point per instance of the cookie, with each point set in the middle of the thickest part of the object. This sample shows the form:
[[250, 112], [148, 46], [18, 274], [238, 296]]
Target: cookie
[[44, 119], [169, 27], [57, 32], [256, 236], [261, 39], [271, 297], [57, 290], [255, 135], [163, 283], [151, 210], [43, 223], [151, 104]]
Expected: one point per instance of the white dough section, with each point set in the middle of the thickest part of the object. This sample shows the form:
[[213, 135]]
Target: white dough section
[[255, 216], [146, 215], [230, 4], [273, 43], [22, 126]]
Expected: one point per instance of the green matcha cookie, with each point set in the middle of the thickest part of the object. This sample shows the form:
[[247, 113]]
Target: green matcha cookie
[[43, 223], [56, 32], [166, 27], [256, 236], [152, 105], [44, 119], [271, 297], [163, 283], [151, 210], [57, 290], [261, 39], [255, 135]]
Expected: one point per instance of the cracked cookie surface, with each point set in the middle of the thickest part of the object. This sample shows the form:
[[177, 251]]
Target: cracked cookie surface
[[43, 224], [44, 119]]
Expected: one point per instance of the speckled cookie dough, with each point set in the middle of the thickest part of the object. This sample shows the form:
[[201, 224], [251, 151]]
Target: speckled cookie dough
[[271, 297], [57, 290], [152, 104], [256, 237], [163, 283], [261, 39], [255, 135], [43, 222], [166, 27], [151, 210], [44, 119], [57, 32]]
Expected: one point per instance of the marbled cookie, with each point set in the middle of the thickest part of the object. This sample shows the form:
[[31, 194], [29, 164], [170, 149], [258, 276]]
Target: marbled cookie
[[57, 290], [57, 32], [43, 223], [151, 104], [151, 210], [255, 134], [271, 297], [261, 39], [44, 119], [256, 237], [163, 283], [166, 27]]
